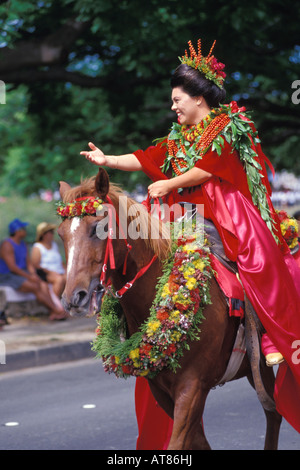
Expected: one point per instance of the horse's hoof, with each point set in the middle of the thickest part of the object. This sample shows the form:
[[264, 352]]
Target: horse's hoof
[[273, 359]]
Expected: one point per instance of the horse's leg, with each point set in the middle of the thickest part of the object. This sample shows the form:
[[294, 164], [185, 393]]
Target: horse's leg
[[273, 418], [188, 433]]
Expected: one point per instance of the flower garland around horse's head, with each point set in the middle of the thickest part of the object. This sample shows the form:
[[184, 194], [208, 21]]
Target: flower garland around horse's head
[[80, 207]]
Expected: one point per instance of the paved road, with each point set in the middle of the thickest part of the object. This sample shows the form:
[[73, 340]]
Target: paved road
[[48, 405]]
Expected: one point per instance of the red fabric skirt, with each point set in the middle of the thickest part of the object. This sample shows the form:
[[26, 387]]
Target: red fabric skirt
[[154, 425], [272, 284]]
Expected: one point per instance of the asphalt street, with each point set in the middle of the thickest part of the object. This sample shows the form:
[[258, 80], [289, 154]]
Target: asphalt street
[[76, 406]]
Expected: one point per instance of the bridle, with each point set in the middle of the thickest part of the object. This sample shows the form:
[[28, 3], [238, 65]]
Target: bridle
[[109, 255]]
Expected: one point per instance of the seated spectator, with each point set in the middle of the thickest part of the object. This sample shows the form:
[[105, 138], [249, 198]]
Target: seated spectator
[[17, 271], [46, 258]]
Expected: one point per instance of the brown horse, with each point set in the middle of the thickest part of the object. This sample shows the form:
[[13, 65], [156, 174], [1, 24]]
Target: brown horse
[[182, 394]]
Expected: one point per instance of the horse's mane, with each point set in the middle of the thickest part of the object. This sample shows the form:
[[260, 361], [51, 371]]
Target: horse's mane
[[154, 233]]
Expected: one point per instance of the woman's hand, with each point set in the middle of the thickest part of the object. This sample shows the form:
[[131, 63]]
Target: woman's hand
[[159, 188], [95, 156]]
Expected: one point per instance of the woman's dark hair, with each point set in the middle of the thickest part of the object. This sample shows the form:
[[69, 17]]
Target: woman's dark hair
[[194, 83]]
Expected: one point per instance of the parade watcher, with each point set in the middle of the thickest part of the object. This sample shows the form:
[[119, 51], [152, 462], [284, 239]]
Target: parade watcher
[[17, 271], [46, 258], [213, 156]]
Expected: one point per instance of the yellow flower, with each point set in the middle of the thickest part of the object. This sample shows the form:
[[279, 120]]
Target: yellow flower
[[175, 315], [191, 283], [189, 271], [176, 336], [144, 373], [134, 354], [199, 264], [283, 228], [117, 360], [165, 291], [190, 247], [294, 243], [152, 327]]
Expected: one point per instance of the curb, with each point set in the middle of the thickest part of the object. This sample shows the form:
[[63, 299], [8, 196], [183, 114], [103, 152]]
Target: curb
[[47, 355]]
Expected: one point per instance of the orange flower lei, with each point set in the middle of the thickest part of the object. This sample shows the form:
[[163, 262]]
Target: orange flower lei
[[200, 138], [189, 143]]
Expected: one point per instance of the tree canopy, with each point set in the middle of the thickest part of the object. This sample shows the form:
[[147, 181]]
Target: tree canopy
[[83, 70]]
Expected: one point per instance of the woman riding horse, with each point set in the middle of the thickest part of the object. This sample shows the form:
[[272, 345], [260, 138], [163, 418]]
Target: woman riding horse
[[212, 157]]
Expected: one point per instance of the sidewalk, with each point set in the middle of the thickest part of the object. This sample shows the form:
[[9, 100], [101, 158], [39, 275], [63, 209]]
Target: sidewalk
[[36, 341]]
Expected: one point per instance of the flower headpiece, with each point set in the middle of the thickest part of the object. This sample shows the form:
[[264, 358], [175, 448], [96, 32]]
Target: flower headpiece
[[209, 66], [80, 207]]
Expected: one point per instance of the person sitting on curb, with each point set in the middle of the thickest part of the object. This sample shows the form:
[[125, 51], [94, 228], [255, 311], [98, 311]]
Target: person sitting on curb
[[46, 258], [17, 271]]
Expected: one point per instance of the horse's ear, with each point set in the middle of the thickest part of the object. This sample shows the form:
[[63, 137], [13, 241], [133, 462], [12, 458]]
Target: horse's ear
[[63, 187], [102, 183]]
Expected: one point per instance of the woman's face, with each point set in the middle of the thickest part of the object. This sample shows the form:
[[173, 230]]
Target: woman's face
[[186, 107]]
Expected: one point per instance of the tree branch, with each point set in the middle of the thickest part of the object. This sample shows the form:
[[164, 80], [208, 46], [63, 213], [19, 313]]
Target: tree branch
[[53, 49]]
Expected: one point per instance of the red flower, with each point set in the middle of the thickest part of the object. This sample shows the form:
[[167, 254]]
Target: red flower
[[170, 350], [162, 314], [234, 107], [77, 209], [173, 287], [180, 306], [89, 208], [126, 369], [282, 215], [66, 211], [145, 349]]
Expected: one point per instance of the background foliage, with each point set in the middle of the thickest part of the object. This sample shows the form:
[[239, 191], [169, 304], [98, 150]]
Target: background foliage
[[85, 70]]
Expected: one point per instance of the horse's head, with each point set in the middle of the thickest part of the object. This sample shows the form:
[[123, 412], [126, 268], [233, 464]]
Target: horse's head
[[83, 248], [114, 242]]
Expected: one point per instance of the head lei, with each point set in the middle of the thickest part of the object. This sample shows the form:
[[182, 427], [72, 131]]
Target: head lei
[[80, 207], [209, 66]]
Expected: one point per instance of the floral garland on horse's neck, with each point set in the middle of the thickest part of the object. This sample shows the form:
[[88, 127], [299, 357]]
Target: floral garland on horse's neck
[[187, 144], [175, 315]]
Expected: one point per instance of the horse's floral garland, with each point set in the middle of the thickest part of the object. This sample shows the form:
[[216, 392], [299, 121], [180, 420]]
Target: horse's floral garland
[[175, 316], [79, 208]]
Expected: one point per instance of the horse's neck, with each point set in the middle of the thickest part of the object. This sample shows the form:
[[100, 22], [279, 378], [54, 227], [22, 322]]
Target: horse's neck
[[137, 300]]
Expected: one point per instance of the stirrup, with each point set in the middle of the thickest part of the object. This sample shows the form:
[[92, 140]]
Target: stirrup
[[273, 359]]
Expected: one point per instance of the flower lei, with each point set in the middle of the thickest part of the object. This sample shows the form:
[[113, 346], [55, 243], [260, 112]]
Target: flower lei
[[175, 316], [289, 229], [187, 144], [79, 208]]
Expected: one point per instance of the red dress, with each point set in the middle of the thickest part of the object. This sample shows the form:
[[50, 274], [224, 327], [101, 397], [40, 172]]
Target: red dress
[[270, 275]]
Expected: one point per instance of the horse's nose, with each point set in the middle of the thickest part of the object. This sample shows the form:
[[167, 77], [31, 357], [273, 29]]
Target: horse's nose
[[78, 298]]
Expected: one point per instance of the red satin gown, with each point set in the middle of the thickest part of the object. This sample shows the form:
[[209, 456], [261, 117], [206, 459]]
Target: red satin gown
[[270, 275]]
